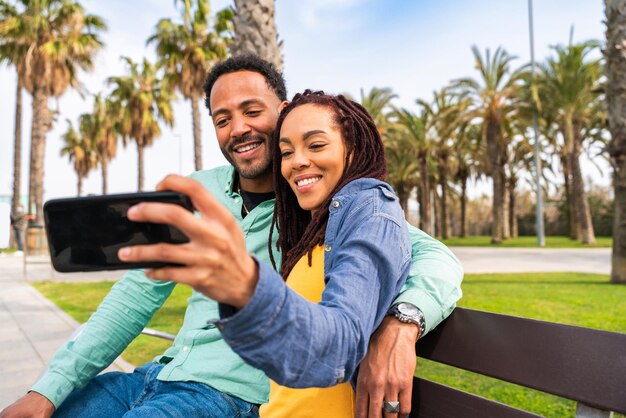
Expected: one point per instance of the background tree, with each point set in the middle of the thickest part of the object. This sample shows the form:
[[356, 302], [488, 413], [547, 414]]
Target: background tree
[[105, 134], [413, 129], [568, 85], [491, 95], [144, 98], [188, 50], [80, 150], [255, 31], [12, 52], [61, 39], [615, 54]]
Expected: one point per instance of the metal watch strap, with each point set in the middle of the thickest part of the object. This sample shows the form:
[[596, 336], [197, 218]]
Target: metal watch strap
[[415, 317]]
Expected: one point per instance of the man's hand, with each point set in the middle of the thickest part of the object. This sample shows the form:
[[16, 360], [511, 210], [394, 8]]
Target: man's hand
[[30, 405], [386, 372], [215, 262]]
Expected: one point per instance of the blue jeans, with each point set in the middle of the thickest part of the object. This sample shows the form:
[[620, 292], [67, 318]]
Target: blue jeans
[[140, 394]]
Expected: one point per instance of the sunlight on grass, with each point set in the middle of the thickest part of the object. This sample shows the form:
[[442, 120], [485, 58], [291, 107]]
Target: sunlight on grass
[[523, 242], [571, 298]]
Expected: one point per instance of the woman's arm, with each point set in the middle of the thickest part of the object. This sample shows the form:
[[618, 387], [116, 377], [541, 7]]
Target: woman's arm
[[300, 344]]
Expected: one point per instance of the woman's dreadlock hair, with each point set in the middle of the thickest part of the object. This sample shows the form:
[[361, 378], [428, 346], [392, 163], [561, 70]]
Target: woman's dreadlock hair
[[298, 232]]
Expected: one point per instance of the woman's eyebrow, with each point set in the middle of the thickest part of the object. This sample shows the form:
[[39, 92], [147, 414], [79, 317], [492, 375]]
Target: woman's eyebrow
[[309, 134]]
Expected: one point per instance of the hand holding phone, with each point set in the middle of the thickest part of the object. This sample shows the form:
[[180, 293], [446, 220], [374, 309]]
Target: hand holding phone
[[85, 233]]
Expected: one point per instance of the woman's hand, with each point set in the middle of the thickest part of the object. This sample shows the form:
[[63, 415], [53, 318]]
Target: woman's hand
[[215, 262]]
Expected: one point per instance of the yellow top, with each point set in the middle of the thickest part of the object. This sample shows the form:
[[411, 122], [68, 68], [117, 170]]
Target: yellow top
[[332, 402]]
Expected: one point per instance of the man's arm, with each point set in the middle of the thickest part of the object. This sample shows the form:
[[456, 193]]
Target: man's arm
[[32, 405], [434, 286], [118, 320]]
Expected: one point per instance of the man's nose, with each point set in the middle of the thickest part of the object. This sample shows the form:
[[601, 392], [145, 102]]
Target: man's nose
[[239, 127]]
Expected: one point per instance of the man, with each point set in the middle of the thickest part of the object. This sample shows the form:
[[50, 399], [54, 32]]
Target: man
[[244, 96]]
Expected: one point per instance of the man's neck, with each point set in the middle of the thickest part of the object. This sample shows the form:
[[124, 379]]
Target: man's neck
[[259, 185]]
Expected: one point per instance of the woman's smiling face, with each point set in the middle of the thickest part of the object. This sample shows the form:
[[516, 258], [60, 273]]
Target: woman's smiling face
[[312, 153]]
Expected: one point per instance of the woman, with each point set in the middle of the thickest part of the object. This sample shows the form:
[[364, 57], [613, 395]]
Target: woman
[[345, 253], [327, 154]]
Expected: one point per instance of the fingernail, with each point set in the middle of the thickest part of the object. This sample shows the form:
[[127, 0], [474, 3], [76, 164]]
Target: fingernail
[[123, 253]]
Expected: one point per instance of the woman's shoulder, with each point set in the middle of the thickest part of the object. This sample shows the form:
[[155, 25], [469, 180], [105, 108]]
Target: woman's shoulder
[[368, 197]]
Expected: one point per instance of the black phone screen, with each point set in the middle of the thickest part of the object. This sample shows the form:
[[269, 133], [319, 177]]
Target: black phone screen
[[85, 233]]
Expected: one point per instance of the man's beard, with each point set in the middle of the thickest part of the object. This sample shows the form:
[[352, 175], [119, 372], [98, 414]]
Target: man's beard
[[262, 165]]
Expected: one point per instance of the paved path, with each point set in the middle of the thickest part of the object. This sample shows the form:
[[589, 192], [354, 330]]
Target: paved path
[[32, 328], [519, 260]]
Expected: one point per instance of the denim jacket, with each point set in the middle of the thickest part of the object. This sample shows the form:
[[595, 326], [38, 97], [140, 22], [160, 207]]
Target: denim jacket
[[367, 257]]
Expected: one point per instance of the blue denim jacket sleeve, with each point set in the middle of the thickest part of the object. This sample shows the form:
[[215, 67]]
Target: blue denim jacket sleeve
[[301, 344]]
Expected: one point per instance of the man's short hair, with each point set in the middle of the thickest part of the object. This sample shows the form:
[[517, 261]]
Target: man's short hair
[[246, 62]]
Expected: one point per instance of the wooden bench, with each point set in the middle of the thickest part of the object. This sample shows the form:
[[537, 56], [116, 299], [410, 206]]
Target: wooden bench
[[581, 364]]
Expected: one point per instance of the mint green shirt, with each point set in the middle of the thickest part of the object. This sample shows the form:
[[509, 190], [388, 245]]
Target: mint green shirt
[[199, 353]]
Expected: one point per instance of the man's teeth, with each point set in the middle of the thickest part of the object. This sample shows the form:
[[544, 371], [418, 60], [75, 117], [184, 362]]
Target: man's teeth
[[307, 181], [247, 148]]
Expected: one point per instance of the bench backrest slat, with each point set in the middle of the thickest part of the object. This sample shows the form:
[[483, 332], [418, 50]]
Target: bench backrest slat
[[582, 364], [432, 400]]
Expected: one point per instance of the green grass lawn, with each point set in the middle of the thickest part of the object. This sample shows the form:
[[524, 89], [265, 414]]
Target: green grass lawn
[[7, 250], [551, 242], [577, 299]]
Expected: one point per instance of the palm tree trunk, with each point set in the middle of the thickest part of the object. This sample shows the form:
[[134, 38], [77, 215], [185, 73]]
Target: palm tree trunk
[[40, 125], [580, 199], [104, 167], [572, 219], [255, 31], [197, 134], [615, 93], [437, 212], [506, 210], [139, 166], [463, 206], [497, 174], [444, 201], [425, 208], [403, 198], [79, 185], [17, 154], [512, 208]]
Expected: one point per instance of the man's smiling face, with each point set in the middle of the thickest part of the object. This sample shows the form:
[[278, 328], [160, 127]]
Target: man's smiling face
[[244, 112]]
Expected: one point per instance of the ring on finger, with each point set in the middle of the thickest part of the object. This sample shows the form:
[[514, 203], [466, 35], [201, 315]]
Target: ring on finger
[[392, 407]]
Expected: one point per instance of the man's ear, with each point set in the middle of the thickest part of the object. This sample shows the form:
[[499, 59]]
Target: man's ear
[[282, 106]]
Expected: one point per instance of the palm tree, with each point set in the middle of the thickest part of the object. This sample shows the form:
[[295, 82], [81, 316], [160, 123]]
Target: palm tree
[[255, 31], [615, 54], [377, 102], [568, 88], [467, 152], [144, 98], [80, 150], [105, 132], [60, 39], [492, 96], [447, 113], [414, 130], [188, 50]]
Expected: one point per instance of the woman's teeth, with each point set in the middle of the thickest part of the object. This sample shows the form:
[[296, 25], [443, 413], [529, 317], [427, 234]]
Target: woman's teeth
[[307, 181]]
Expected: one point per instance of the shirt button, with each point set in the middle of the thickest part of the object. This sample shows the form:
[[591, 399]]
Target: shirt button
[[335, 204], [327, 248], [340, 379], [185, 349]]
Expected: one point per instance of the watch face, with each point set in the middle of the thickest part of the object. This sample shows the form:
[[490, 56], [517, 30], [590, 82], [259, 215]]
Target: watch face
[[407, 309]]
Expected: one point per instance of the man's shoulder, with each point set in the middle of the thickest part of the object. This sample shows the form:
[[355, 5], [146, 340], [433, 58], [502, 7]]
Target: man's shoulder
[[217, 178]]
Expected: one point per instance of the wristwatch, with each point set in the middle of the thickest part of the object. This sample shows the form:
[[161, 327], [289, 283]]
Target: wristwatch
[[410, 314]]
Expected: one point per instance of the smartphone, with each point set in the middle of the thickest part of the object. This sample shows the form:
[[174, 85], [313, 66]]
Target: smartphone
[[85, 233]]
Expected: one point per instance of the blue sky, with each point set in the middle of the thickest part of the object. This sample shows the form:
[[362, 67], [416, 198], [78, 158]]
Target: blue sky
[[412, 46]]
